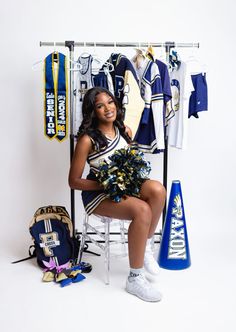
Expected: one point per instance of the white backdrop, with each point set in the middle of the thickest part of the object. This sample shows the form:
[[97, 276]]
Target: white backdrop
[[34, 170]]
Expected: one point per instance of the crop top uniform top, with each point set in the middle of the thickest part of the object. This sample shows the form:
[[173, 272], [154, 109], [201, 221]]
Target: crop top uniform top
[[91, 199]]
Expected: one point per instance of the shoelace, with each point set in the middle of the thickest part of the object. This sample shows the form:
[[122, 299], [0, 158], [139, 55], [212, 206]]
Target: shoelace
[[142, 281], [149, 256]]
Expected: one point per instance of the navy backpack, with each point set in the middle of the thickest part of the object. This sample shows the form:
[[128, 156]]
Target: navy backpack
[[52, 232]]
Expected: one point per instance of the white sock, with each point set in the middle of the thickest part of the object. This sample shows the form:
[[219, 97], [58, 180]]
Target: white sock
[[135, 273], [150, 263], [149, 241], [149, 245]]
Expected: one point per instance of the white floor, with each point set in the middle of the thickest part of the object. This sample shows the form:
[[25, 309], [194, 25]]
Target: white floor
[[200, 298]]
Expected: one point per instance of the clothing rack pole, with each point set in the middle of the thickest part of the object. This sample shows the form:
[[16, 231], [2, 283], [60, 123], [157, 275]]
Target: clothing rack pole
[[168, 46], [71, 45], [119, 44]]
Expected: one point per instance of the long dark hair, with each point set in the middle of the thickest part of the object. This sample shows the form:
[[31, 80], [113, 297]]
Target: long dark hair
[[89, 124]]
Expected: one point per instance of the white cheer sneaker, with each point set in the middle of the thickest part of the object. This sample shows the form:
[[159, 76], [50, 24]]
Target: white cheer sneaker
[[140, 287], [150, 264]]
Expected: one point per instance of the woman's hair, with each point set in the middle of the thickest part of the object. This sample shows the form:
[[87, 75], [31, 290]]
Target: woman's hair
[[89, 124]]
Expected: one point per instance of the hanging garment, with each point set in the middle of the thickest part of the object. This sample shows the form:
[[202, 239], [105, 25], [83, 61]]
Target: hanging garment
[[103, 79], [181, 87], [56, 96], [198, 101], [166, 88], [83, 83], [150, 134], [86, 80], [165, 82], [127, 90]]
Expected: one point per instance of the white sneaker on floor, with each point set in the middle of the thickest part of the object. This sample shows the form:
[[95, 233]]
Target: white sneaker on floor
[[150, 264], [140, 287]]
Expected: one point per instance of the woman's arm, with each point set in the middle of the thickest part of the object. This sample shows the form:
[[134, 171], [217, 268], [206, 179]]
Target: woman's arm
[[128, 131], [82, 149]]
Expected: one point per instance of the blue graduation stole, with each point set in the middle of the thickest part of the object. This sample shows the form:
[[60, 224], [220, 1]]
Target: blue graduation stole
[[56, 96]]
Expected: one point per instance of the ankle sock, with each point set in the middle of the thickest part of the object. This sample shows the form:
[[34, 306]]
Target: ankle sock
[[148, 246], [149, 242], [135, 273]]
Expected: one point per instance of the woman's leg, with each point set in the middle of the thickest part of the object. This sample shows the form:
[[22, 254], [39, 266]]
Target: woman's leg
[[154, 193], [139, 212]]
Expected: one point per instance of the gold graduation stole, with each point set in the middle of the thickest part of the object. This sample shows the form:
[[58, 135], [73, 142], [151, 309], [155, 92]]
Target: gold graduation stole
[[56, 96]]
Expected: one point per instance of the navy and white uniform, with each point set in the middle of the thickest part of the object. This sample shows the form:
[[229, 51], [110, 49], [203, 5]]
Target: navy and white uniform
[[83, 82], [198, 101], [150, 134], [127, 90], [166, 88], [86, 80], [91, 199]]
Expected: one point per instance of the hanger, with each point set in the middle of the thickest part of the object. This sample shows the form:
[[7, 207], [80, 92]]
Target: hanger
[[150, 53], [195, 65], [55, 53], [140, 56], [35, 65], [115, 47], [77, 65], [84, 54], [140, 50], [106, 66], [192, 55], [162, 55], [174, 60], [102, 66], [55, 58], [96, 57]]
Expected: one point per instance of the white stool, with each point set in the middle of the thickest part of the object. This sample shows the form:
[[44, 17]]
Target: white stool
[[103, 232]]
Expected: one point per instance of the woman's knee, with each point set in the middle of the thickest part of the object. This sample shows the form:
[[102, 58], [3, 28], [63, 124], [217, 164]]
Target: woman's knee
[[142, 212], [160, 190], [156, 190]]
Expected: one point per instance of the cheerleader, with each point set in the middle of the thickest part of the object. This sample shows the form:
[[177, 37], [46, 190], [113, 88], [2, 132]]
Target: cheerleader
[[102, 131]]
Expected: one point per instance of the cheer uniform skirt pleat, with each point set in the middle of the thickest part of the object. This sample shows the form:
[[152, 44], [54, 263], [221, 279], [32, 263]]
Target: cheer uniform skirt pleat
[[92, 198]]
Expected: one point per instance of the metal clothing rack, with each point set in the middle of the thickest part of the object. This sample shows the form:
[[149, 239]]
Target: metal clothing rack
[[71, 45]]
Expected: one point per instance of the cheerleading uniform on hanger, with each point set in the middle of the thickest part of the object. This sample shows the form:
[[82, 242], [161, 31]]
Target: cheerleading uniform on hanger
[[86, 80], [91, 199], [82, 84], [198, 101], [150, 134], [181, 86], [127, 90], [103, 79], [166, 88]]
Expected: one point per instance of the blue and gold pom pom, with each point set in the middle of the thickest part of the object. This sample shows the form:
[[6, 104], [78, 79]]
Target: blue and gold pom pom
[[124, 173]]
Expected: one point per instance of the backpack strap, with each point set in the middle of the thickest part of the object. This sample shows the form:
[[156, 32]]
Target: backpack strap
[[56, 216], [32, 254]]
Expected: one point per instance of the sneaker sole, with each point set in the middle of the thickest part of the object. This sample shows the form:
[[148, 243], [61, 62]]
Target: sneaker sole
[[151, 277], [142, 298]]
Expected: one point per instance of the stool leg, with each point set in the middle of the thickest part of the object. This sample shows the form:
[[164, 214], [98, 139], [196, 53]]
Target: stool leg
[[82, 242], [122, 236], [107, 251]]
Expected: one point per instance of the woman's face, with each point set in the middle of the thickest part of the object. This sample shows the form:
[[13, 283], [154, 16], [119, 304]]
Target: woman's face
[[105, 108]]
